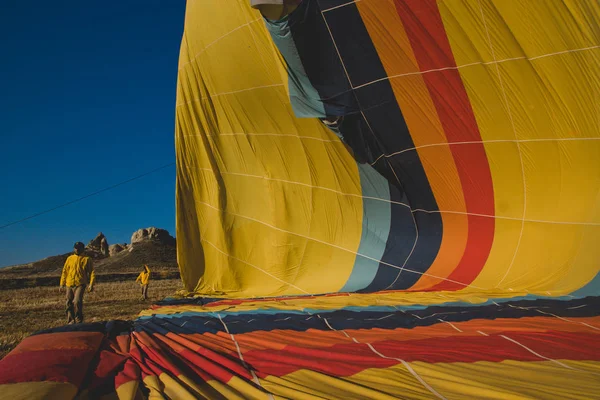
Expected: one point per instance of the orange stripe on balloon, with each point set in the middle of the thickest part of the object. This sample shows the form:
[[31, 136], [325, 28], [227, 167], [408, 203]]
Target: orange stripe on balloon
[[279, 339], [393, 46], [425, 29]]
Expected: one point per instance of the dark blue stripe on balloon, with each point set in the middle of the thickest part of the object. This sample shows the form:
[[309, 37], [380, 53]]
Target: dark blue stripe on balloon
[[345, 319], [319, 58], [385, 123]]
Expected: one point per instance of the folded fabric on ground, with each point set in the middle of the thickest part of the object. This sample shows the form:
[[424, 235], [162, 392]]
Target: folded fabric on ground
[[302, 349]]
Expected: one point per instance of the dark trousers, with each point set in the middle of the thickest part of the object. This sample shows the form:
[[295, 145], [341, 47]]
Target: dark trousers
[[75, 304], [145, 291]]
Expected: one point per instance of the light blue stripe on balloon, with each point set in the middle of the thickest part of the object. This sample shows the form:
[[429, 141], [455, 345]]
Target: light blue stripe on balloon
[[306, 101], [375, 228], [591, 289]]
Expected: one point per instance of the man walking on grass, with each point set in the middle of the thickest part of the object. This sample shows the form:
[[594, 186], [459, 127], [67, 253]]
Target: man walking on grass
[[77, 273], [144, 279]]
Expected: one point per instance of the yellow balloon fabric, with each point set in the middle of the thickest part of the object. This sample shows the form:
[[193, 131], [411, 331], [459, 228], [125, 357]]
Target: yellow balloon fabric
[[480, 120]]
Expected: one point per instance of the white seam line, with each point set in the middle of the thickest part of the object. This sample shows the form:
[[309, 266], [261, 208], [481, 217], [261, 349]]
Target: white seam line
[[568, 320], [482, 333], [379, 319], [340, 6], [434, 314], [311, 213], [227, 93], [254, 377], [256, 44], [476, 63], [244, 90], [508, 218], [270, 134], [307, 185], [401, 151], [335, 330], [322, 242], [521, 308], [575, 308], [415, 241], [588, 325], [411, 73], [399, 183], [512, 123], [563, 52], [406, 365], [252, 265], [449, 323], [409, 368], [480, 142], [337, 50], [215, 41], [537, 354], [398, 202]]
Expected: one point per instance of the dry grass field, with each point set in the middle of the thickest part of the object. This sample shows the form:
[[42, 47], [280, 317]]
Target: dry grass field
[[24, 311]]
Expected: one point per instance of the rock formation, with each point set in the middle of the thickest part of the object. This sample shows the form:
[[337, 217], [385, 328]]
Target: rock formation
[[98, 246], [152, 234], [115, 249]]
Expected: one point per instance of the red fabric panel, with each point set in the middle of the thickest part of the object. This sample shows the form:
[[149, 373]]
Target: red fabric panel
[[130, 372], [217, 365], [351, 358], [109, 365], [46, 365], [425, 30], [57, 357]]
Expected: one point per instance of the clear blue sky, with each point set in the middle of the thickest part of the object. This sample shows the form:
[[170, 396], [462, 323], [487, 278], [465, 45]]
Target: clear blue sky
[[87, 99]]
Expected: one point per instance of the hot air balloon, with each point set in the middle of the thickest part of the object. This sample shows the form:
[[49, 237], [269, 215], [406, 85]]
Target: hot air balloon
[[375, 199]]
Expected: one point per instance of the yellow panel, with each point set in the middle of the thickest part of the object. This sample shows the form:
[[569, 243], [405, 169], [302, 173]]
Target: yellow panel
[[251, 194], [562, 185], [505, 166], [518, 29], [314, 271], [539, 121], [509, 380], [546, 27], [381, 384], [128, 390], [244, 270], [546, 105], [38, 390], [486, 380], [506, 238], [541, 271]]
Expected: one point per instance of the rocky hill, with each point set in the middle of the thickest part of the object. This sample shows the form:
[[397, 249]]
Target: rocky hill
[[152, 246]]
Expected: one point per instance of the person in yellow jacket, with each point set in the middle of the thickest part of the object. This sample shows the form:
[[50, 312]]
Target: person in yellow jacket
[[144, 279], [77, 273]]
